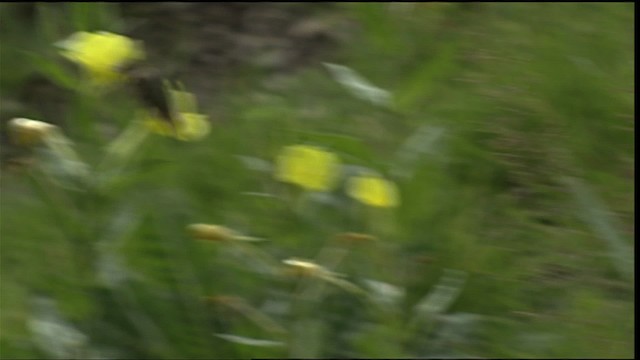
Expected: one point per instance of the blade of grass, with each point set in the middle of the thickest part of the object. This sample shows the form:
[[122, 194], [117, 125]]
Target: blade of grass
[[595, 214]]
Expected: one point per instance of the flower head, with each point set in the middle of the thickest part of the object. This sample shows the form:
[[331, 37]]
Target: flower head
[[308, 167], [308, 269], [29, 132], [373, 190], [218, 233], [64, 163], [211, 232], [304, 268], [101, 53], [189, 125]]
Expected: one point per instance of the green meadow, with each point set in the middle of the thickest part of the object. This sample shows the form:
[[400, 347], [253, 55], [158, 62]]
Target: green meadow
[[505, 128]]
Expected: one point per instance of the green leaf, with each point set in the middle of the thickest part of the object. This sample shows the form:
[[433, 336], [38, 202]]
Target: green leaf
[[385, 293], [423, 81], [47, 16], [358, 86], [441, 297], [81, 15], [53, 334], [308, 339], [54, 71], [250, 341], [423, 141], [595, 214]]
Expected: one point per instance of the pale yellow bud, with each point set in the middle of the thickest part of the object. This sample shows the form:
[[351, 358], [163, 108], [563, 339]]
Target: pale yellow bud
[[356, 238], [303, 268], [29, 132], [211, 232]]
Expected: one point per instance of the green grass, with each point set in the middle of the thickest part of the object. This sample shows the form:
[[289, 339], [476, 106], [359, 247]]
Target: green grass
[[523, 97]]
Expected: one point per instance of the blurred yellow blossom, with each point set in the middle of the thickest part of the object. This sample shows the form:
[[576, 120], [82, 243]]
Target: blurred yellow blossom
[[373, 190], [189, 125], [307, 166], [101, 53]]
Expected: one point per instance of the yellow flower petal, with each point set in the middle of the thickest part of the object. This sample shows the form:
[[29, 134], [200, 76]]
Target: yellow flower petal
[[192, 127], [373, 191], [183, 101], [101, 53], [308, 167], [158, 125], [189, 126]]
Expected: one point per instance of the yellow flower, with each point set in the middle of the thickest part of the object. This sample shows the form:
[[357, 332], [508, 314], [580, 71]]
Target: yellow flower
[[373, 190], [308, 167], [101, 53], [189, 125], [193, 126]]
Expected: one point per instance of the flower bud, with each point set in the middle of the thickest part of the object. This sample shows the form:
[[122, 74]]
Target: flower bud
[[355, 238], [303, 268], [211, 232], [29, 132]]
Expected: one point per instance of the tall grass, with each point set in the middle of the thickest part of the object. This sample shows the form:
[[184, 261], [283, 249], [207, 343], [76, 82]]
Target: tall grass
[[492, 253]]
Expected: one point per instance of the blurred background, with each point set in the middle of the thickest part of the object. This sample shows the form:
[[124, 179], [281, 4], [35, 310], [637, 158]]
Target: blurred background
[[506, 127]]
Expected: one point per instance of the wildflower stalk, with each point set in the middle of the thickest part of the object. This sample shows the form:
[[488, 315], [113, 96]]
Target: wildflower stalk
[[121, 150], [71, 199], [269, 264], [85, 105], [55, 202], [309, 294], [151, 333], [243, 307], [221, 234], [61, 147], [79, 236]]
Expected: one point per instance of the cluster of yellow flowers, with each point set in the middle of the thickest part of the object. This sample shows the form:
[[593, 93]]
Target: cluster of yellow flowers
[[317, 170], [103, 56]]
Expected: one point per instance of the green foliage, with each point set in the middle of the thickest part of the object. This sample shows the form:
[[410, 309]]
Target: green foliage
[[495, 111]]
